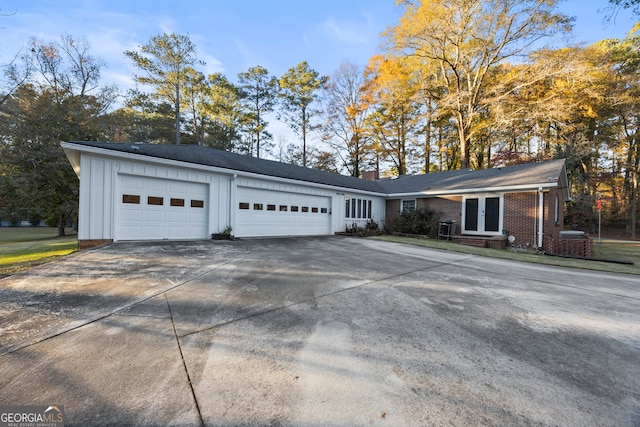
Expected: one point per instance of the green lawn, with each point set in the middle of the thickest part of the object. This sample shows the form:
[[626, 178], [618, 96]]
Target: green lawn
[[25, 247], [606, 250]]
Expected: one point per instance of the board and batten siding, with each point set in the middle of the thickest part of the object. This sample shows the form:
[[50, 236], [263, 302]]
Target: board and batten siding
[[100, 192]]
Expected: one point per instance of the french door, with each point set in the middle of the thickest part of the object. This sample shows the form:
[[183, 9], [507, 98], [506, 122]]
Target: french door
[[482, 215]]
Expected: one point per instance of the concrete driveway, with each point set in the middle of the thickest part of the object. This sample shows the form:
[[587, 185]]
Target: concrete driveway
[[319, 332]]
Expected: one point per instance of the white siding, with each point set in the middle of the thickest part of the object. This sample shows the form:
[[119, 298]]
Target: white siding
[[101, 200]]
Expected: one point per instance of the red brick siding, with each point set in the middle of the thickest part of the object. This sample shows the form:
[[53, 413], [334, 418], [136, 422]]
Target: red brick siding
[[448, 208], [551, 227], [87, 244], [393, 211], [579, 248], [520, 213], [520, 217]]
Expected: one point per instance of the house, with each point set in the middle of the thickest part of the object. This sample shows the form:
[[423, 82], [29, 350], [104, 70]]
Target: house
[[161, 192]]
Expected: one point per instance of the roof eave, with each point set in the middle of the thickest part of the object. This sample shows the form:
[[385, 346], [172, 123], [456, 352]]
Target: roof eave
[[72, 150], [462, 191]]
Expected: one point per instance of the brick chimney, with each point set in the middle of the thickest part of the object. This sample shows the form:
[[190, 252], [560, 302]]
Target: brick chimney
[[370, 175]]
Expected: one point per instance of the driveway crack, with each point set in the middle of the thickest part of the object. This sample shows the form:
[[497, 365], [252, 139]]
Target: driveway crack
[[184, 362]]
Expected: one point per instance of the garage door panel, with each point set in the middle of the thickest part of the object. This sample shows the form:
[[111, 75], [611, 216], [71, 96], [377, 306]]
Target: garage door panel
[[275, 213], [161, 209]]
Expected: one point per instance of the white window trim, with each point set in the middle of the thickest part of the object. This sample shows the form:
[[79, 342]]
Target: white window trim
[[415, 204], [481, 207]]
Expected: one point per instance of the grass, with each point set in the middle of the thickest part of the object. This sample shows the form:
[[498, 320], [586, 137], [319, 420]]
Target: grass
[[22, 248], [607, 250]]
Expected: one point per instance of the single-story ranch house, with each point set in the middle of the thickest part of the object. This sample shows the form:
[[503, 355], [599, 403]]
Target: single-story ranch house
[[162, 192]]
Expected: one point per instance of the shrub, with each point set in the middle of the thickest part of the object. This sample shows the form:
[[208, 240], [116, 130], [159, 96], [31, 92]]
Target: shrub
[[369, 229], [419, 221]]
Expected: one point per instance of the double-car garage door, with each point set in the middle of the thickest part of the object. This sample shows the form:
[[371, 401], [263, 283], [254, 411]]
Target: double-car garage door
[[156, 209], [262, 213]]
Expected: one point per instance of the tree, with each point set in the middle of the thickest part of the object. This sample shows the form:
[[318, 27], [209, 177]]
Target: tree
[[258, 95], [59, 99], [391, 90], [467, 38], [616, 5], [194, 99], [298, 88], [164, 60], [346, 109], [222, 109]]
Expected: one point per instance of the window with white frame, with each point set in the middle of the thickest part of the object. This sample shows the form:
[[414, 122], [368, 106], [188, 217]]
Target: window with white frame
[[358, 208], [408, 206]]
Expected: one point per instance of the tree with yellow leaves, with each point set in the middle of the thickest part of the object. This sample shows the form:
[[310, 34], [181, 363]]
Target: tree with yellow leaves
[[467, 39]]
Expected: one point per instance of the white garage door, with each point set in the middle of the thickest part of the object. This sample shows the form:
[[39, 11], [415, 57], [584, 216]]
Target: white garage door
[[154, 209], [262, 213]]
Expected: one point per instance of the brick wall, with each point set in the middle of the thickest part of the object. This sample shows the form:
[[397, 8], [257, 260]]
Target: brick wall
[[448, 207], [520, 214], [579, 248], [87, 244], [393, 211]]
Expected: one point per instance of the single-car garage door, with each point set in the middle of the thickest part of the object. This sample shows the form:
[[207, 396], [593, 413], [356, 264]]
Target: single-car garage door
[[155, 209], [262, 213]]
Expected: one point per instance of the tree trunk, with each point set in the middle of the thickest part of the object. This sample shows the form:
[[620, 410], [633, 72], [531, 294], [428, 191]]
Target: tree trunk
[[61, 224], [178, 115]]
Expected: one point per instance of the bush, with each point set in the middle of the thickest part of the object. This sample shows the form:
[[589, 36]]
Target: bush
[[419, 221], [370, 229]]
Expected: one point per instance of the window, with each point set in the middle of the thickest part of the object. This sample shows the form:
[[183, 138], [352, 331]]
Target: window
[[492, 214], [177, 202], [257, 206], [244, 205], [369, 209], [155, 201], [323, 210], [197, 203], [556, 212], [283, 208], [314, 210], [471, 215], [347, 208], [408, 206], [131, 199], [305, 209], [353, 208], [482, 215], [271, 207], [294, 209]]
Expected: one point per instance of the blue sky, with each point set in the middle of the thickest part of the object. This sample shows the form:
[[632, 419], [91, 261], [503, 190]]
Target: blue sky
[[233, 35]]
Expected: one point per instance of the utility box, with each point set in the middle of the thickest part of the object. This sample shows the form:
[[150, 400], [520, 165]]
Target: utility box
[[446, 229]]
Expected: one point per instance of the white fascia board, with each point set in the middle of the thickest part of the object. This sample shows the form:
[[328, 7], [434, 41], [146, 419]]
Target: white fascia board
[[215, 169], [503, 189]]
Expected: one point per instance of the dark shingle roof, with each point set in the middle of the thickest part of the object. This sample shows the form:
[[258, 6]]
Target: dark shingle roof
[[238, 162], [438, 183], [529, 174]]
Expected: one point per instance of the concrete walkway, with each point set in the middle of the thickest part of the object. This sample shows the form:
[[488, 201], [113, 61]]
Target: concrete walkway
[[318, 332]]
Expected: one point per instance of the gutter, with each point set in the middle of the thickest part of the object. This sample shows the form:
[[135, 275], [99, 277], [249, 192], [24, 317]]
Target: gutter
[[70, 147]]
